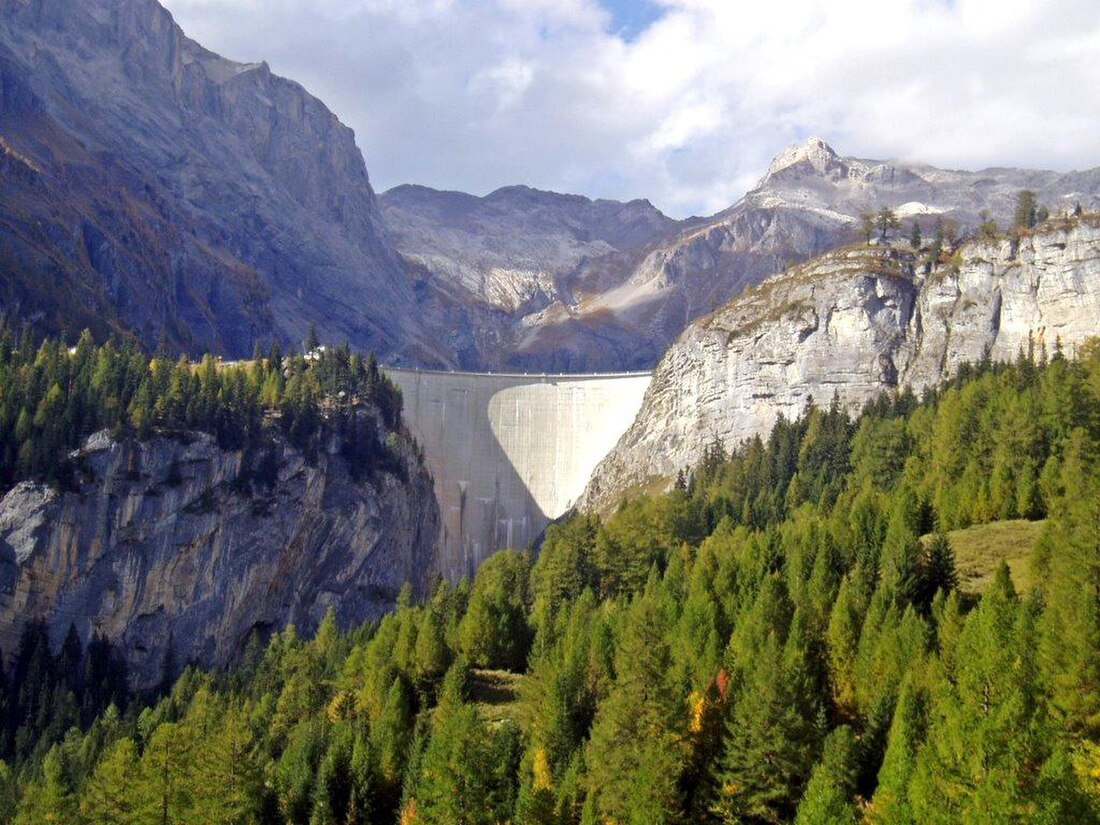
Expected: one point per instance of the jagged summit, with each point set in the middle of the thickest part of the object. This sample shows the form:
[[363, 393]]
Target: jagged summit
[[813, 150]]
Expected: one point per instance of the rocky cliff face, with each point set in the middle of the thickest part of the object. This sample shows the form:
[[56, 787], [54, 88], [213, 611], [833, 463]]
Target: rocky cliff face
[[513, 248], [853, 323], [175, 542], [153, 186]]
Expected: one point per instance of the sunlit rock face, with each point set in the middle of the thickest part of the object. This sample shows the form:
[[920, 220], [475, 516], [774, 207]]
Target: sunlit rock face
[[530, 280], [849, 325]]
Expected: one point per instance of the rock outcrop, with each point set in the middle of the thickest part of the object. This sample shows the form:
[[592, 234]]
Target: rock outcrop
[[175, 544], [810, 201], [516, 245], [149, 185], [851, 324]]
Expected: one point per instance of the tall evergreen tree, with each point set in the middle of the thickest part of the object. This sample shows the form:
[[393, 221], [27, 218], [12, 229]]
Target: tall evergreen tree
[[830, 794], [1071, 622], [637, 748], [773, 735], [890, 805], [111, 796]]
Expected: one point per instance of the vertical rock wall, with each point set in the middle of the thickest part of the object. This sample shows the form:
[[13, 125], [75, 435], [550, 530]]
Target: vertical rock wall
[[175, 543]]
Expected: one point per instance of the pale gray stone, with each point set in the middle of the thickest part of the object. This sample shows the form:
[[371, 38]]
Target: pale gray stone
[[851, 324]]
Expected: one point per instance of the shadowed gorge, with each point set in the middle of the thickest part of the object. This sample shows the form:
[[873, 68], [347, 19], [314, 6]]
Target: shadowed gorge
[[511, 452]]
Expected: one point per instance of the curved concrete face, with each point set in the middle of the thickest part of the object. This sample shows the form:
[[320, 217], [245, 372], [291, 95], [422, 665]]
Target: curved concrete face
[[509, 453]]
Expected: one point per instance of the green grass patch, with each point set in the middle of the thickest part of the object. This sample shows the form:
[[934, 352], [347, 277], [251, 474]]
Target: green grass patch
[[495, 694], [979, 550]]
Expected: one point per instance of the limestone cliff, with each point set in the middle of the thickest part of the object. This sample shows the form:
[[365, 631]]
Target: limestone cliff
[[810, 201], [175, 541], [853, 323]]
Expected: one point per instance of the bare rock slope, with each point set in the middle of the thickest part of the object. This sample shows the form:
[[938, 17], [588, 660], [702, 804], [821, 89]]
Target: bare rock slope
[[150, 185], [495, 272], [853, 323], [175, 544], [547, 281]]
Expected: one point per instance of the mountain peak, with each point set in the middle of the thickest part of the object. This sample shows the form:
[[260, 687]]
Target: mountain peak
[[813, 152]]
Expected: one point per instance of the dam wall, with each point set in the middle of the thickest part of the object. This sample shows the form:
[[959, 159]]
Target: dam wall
[[511, 452]]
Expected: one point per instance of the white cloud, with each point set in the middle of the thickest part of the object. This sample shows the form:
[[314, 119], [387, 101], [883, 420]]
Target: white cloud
[[475, 94], [505, 83]]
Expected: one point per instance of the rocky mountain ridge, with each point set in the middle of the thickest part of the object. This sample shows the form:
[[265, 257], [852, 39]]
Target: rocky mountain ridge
[[851, 324], [496, 270], [176, 544], [153, 186], [557, 294], [517, 243]]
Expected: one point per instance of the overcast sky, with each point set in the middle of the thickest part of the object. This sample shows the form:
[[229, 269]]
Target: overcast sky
[[679, 101]]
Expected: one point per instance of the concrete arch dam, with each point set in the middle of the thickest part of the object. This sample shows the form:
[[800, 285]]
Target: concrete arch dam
[[511, 452]]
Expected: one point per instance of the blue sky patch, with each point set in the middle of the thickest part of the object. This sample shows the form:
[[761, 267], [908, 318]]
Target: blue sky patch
[[629, 18]]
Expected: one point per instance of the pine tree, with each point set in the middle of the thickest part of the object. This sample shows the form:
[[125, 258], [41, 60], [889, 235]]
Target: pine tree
[[772, 737], [830, 794], [866, 226], [70, 658], [463, 777], [637, 750], [1026, 214], [890, 805], [1071, 622], [937, 571], [430, 656], [221, 765], [564, 566], [164, 787], [332, 797], [886, 220], [494, 632], [991, 742], [391, 733], [362, 800], [50, 801], [843, 646], [295, 772], [111, 796]]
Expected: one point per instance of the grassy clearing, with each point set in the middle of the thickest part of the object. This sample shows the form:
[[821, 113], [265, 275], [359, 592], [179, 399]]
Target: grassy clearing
[[495, 693], [980, 549]]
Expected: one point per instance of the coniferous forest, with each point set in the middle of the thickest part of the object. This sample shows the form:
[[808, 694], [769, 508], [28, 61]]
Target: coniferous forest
[[54, 396], [786, 636]]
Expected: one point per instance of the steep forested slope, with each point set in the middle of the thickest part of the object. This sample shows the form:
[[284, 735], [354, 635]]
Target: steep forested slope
[[777, 639], [175, 509]]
